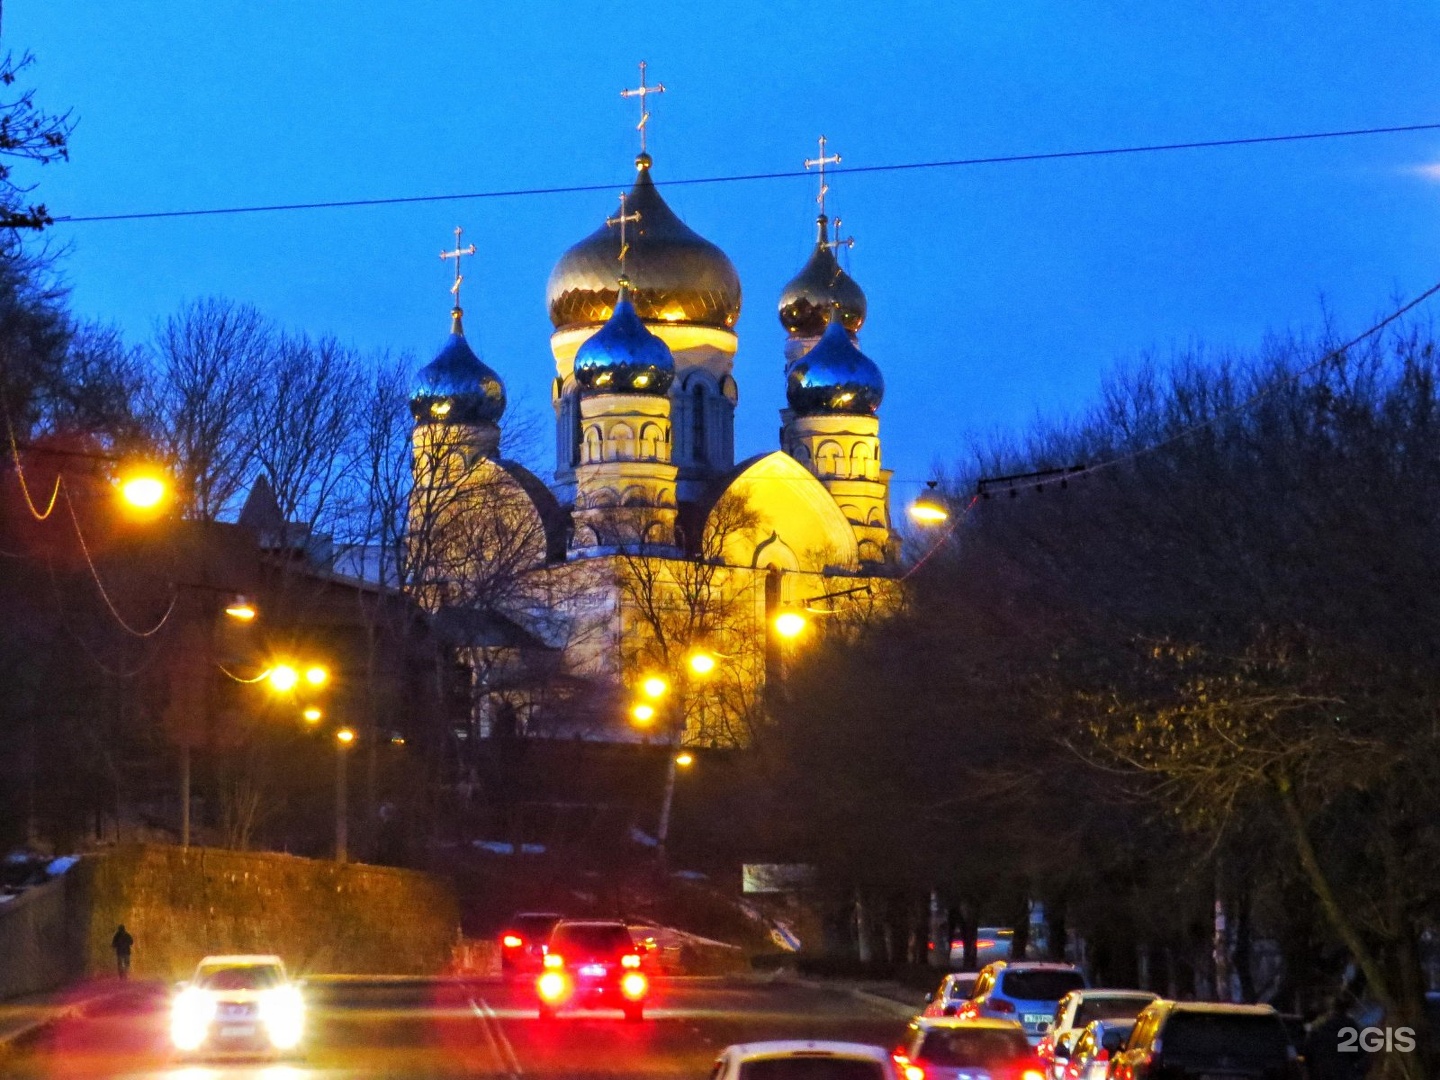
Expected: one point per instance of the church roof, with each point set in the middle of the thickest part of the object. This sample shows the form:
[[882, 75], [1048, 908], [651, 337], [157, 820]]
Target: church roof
[[819, 287], [676, 275], [457, 387], [623, 357], [834, 376]]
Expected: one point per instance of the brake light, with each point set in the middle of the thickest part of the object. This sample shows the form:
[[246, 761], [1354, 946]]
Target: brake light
[[914, 1072], [553, 961], [633, 986], [630, 960], [1000, 1005], [552, 986], [908, 1069], [1032, 1074], [510, 941], [1102, 1054]]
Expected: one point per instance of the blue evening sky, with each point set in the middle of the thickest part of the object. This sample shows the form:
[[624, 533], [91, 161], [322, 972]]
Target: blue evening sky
[[995, 291]]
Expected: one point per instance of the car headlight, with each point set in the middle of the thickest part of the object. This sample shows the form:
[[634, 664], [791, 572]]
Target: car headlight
[[190, 1018], [282, 1010]]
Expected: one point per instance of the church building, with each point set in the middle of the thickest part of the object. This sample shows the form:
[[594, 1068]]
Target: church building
[[655, 586]]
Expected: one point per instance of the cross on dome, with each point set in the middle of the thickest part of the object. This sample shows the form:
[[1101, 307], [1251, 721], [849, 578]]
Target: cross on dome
[[620, 219], [642, 92], [837, 242], [457, 254], [821, 162]]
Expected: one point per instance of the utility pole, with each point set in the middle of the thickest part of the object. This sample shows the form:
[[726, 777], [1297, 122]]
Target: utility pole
[[343, 739]]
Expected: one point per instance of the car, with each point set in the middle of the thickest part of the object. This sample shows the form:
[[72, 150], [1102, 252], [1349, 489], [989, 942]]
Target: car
[[1026, 991], [1179, 1040], [522, 942], [804, 1060], [238, 1005], [1089, 1057], [590, 963], [951, 1048], [954, 991], [1076, 1010], [991, 943]]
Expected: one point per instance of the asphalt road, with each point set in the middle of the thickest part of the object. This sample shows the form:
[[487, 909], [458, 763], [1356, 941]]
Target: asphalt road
[[414, 1029]]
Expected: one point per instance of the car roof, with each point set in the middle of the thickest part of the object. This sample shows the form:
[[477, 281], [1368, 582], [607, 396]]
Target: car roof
[[925, 1023], [537, 915], [1103, 993], [241, 960], [593, 922], [1219, 1008], [791, 1047], [1036, 965]]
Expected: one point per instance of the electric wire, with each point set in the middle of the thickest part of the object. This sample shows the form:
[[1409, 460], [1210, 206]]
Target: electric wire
[[909, 166], [100, 585], [37, 514]]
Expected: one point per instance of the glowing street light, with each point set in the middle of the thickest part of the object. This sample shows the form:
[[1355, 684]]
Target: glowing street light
[[312, 715], [143, 490], [642, 713], [655, 687], [345, 736], [241, 609], [790, 624], [316, 675], [702, 662], [684, 759], [282, 678], [930, 508]]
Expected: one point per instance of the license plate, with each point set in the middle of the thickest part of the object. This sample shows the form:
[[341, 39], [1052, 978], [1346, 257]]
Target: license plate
[[593, 969], [1040, 1020], [237, 1031]]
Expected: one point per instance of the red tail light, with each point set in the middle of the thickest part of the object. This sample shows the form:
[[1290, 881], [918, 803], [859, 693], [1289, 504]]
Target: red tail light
[[630, 960], [1000, 1005], [907, 1069], [552, 987], [1102, 1054], [634, 986], [1032, 1074], [510, 941], [553, 961]]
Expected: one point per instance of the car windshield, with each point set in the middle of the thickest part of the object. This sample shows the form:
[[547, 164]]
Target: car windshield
[[961, 988], [975, 1046], [255, 977], [812, 1067], [534, 926], [1040, 985], [1212, 1035], [1109, 1008], [591, 939]]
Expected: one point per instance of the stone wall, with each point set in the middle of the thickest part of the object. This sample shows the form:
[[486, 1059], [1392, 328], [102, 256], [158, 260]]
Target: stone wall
[[182, 904]]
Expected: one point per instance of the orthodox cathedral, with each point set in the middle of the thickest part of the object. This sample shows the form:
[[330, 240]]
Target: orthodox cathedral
[[651, 542]]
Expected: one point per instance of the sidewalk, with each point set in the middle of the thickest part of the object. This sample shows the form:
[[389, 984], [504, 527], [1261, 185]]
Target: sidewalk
[[23, 1015]]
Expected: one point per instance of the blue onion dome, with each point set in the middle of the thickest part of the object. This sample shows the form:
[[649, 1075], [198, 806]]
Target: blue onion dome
[[623, 357], [457, 387], [676, 275], [821, 285], [834, 376]]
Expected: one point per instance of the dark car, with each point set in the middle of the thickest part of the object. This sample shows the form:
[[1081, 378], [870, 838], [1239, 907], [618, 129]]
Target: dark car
[[1191, 1040], [592, 964], [522, 942]]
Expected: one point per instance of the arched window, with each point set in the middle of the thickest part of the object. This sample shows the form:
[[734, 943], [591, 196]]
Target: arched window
[[828, 458], [622, 439], [650, 442], [697, 425], [573, 403]]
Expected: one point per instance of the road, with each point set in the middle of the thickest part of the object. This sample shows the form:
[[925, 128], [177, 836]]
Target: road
[[411, 1029]]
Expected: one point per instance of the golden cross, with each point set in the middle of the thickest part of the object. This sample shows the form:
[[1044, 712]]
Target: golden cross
[[620, 219], [456, 254], [837, 242], [822, 161], [642, 93]]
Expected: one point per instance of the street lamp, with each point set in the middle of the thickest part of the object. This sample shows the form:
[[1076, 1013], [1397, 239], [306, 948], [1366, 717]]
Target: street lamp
[[642, 713], [655, 687], [790, 623], [316, 675], [343, 740], [702, 662], [241, 609], [312, 715], [143, 490], [684, 759], [930, 507], [282, 678]]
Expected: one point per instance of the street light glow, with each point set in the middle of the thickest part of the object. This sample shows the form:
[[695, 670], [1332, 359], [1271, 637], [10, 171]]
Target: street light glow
[[282, 678], [655, 686], [143, 491], [929, 508], [643, 713], [345, 736], [684, 759], [701, 662], [316, 675], [312, 715], [790, 624], [241, 610]]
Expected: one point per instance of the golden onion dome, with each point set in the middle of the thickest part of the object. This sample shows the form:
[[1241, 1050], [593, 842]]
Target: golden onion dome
[[675, 274], [819, 288]]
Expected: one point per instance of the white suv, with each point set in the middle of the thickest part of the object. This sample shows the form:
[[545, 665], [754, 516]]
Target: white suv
[[1076, 1010]]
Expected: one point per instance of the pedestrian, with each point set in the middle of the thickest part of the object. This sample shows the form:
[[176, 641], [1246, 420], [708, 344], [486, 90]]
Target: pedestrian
[[122, 943]]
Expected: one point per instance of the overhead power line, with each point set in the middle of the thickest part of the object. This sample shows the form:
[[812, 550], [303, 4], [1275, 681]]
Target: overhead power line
[[1004, 159]]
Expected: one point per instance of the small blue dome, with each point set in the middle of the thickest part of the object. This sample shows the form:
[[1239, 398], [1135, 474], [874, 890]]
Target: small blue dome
[[834, 376], [457, 387], [623, 357]]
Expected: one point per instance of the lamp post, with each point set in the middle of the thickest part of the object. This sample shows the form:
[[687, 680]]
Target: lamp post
[[699, 664], [343, 740]]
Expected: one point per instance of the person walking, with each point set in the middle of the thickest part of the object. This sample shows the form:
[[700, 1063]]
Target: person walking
[[122, 943]]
